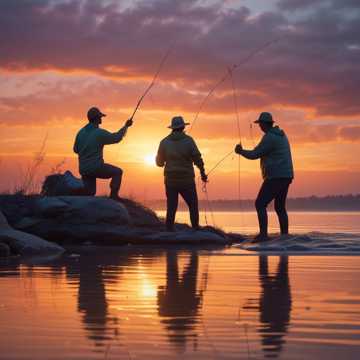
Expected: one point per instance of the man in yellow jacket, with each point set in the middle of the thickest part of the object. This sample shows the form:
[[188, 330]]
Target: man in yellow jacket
[[177, 153], [89, 144]]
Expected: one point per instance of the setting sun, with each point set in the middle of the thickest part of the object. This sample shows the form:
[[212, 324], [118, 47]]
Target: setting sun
[[149, 159]]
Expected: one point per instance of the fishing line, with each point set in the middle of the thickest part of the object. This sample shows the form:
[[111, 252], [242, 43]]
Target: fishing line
[[226, 75], [219, 162], [205, 191], [236, 109], [152, 83], [206, 204], [162, 62]]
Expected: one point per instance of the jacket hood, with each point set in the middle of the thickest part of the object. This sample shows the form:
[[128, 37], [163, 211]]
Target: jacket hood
[[177, 136], [276, 131]]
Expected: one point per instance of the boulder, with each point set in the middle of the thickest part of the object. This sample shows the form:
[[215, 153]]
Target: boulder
[[3, 222], [140, 215], [50, 206], [81, 210], [94, 210], [4, 250], [25, 244], [27, 222], [99, 220]]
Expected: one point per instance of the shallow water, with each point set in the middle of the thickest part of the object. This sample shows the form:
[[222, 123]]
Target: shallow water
[[245, 222], [127, 303], [154, 303]]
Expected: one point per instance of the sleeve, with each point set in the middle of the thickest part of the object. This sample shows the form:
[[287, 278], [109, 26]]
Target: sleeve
[[107, 138], [76, 147], [196, 156], [160, 157], [263, 148]]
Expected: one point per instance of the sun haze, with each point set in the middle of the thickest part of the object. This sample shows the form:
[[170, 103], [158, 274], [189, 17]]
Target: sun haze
[[309, 83]]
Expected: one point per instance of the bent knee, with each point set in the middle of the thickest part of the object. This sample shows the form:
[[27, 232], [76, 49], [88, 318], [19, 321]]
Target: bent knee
[[117, 172]]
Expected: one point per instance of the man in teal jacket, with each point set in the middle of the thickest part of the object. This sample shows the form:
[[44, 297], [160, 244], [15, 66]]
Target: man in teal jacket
[[178, 152], [89, 144], [277, 171]]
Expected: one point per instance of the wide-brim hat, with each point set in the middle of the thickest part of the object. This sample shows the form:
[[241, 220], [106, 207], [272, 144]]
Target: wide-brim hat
[[265, 117], [177, 122], [94, 113]]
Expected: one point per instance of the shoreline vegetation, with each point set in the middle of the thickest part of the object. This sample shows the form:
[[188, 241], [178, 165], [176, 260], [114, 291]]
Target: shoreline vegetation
[[336, 203]]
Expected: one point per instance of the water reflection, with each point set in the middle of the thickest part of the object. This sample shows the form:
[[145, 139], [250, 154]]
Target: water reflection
[[91, 274], [92, 304], [274, 305], [179, 301]]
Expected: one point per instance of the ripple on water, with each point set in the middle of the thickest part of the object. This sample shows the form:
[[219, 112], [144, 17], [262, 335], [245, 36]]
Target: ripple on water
[[167, 304]]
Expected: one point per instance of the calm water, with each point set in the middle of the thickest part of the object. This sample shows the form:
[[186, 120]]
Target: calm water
[[300, 222], [131, 303]]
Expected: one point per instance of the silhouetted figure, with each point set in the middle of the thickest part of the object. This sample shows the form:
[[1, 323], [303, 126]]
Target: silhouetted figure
[[92, 303], [178, 152], [179, 302], [89, 144], [277, 171], [274, 306]]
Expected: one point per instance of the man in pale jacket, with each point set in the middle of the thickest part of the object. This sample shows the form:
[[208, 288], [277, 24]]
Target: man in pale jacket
[[89, 144], [277, 171], [178, 152]]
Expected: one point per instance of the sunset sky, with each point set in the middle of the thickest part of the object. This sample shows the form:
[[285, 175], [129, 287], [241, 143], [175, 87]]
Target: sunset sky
[[58, 58]]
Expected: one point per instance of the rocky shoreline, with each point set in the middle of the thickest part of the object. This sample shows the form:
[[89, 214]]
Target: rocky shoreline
[[40, 224]]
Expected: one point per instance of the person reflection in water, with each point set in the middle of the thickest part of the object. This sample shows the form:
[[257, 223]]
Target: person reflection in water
[[274, 306], [92, 303], [179, 301]]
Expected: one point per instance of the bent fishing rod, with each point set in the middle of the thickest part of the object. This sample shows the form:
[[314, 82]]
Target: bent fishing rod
[[229, 72], [152, 83]]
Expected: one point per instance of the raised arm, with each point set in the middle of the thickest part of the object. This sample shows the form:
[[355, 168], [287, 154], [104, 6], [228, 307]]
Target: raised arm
[[263, 148], [108, 138]]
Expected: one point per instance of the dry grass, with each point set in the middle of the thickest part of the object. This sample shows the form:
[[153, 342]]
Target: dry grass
[[29, 182]]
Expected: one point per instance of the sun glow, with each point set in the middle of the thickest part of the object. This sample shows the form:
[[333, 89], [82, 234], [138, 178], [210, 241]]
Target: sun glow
[[149, 159]]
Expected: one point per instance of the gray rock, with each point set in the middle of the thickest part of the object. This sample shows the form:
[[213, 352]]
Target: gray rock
[[94, 210], [50, 206], [4, 250], [80, 219], [3, 222], [27, 244], [23, 243], [27, 222]]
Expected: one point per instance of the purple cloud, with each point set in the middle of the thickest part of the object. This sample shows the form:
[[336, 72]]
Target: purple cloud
[[314, 65]]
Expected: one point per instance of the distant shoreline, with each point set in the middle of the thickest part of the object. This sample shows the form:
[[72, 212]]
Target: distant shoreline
[[184, 208], [340, 203]]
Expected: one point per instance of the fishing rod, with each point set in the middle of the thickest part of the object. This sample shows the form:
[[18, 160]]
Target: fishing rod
[[219, 162], [228, 73], [152, 83]]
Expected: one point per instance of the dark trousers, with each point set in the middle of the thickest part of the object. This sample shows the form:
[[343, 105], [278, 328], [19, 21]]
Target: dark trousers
[[189, 195], [273, 189], [106, 171]]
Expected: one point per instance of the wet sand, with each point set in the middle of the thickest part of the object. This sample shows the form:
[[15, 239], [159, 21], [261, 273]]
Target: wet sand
[[189, 304]]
